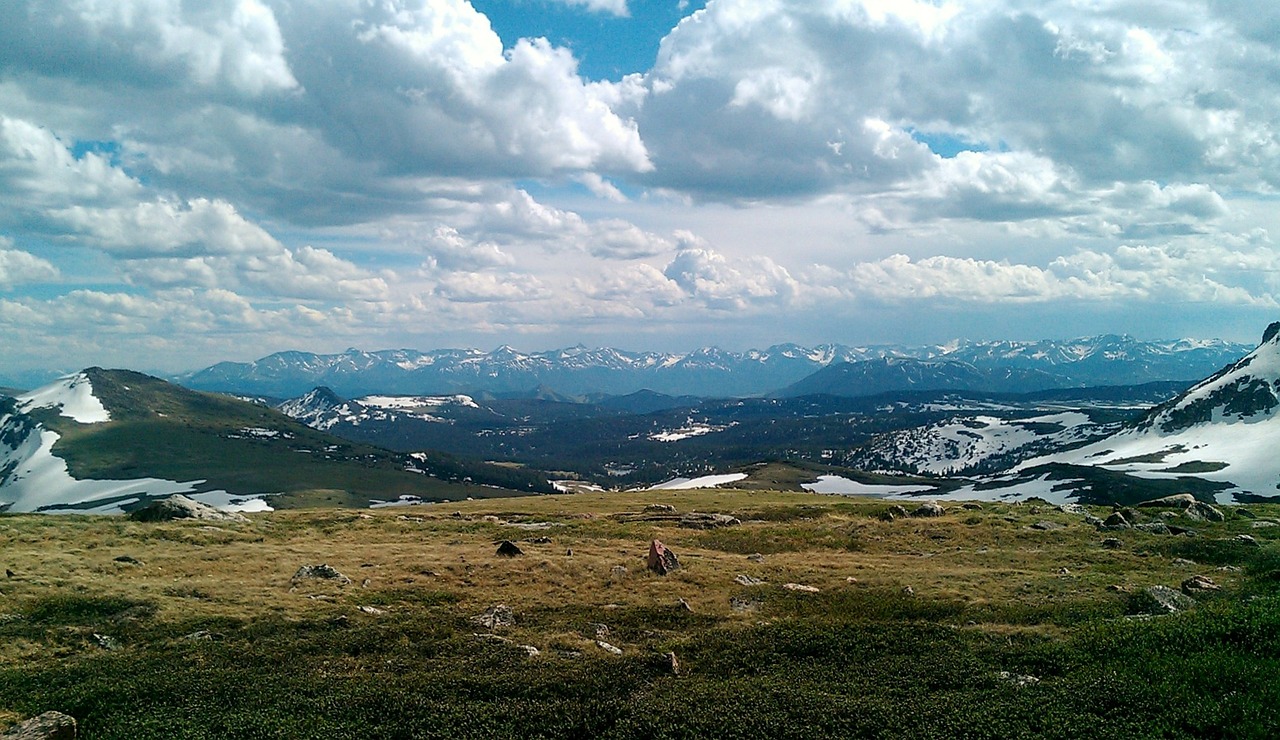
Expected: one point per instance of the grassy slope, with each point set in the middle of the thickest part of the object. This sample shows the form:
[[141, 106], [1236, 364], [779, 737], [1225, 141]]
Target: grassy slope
[[161, 430], [855, 659]]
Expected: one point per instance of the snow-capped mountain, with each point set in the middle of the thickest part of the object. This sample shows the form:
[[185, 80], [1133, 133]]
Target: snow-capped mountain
[[321, 408], [711, 372], [1220, 435]]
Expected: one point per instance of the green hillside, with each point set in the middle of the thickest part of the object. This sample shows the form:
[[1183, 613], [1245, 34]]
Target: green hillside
[[164, 431]]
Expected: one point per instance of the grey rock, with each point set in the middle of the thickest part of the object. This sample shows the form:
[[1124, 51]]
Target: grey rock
[[47, 726], [929, 509], [498, 615], [743, 579], [611, 649], [1115, 521], [1244, 513], [1202, 512], [1153, 528], [530, 650], [755, 557], [1161, 600], [1263, 524], [1047, 526], [894, 512], [696, 520], [1176, 501], [659, 509], [1073, 508], [1184, 561], [1199, 585], [178, 506], [106, 642], [1017, 679], [323, 572], [739, 604], [1246, 539], [971, 506], [618, 572]]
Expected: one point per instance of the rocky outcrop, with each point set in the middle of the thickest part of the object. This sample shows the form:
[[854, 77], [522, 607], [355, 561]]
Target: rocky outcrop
[[47, 726], [178, 506], [322, 572]]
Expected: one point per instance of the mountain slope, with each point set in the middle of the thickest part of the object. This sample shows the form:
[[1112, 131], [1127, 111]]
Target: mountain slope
[[105, 439], [893, 374]]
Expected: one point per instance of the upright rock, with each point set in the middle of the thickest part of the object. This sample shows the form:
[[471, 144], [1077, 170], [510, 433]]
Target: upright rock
[[662, 560]]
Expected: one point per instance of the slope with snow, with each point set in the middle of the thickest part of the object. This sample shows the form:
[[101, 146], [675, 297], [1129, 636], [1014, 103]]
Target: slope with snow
[[72, 395]]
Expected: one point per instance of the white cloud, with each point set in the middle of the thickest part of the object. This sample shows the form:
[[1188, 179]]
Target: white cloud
[[17, 266], [612, 7]]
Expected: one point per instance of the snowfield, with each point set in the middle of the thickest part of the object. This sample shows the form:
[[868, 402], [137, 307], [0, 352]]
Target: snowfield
[[72, 395], [706, 481], [841, 486]]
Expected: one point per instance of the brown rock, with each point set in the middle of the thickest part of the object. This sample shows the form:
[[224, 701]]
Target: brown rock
[[661, 560]]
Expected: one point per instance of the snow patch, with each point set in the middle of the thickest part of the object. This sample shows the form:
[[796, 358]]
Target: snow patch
[[72, 395], [706, 481], [841, 486]]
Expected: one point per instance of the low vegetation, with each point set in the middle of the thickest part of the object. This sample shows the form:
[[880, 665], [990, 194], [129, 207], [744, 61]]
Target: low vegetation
[[1003, 621]]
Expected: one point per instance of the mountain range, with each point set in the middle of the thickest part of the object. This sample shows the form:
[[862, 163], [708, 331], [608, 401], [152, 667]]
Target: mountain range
[[784, 369]]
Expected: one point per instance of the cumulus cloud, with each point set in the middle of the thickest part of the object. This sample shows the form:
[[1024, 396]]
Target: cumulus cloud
[[713, 279], [17, 266]]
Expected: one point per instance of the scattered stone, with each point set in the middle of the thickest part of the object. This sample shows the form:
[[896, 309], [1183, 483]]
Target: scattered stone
[[199, 636], [971, 506], [47, 726], [659, 509], [599, 629], [1262, 524], [1177, 501], [1202, 512], [375, 611], [683, 605], [618, 571], [696, 520], [539, 540], [755, 557], [509, 549], [1047, 526], [801, 587], [743, 579], [1229, 568], [1184, 561], [1092, 520], [127, 559], [929, 509], [404, 518], [491, 519], [1244, 513], [851, 580], [1161, 600], [1196, 585], [909, 591], [178, 506], [530, 650], [662, 560], [739, 604], [322, 571], [1064, 571], [1073, 508], [608, 648], [1246, 539], [106, 642], [1016, 679], [1116, 521], [1154, 528], [1111, 543], [498, 615]]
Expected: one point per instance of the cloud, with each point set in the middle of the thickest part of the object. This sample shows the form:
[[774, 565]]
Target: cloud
[[712, 279], [612, 7], [17, 266]]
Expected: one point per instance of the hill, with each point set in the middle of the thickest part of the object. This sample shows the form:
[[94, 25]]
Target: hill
[[102, 440]]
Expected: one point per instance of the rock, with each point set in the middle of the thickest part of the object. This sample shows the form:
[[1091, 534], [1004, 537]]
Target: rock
[[1263, 524], [1092, 520], [530, 650], [971, 506], [106, 642], [1202, 512], [539, 540], [1154, 528], [672, 663], [1176, 530], [683, 605], [1176, 501], [47, 726], [1244, 513], [707, 521], [509, 549], [928, 509], [618, 572], [1016, 679], [755, 557], [893, 512], [1229, 568], [659, 509], [498, 615], [739, 604], [569, 552], [200, 636], [608, 648], [801, 588], [1245, 539], [1073, 508], [599, 629], [127, 559], [1117, 520], [908, 591], [743, 579], [1064, 571], [661, 560], [851, 580], [1199, 585], [1184, 561], [178, 506], [1047, 526], [1111, 543], [1160, 600], [323, 571], [372, 610]]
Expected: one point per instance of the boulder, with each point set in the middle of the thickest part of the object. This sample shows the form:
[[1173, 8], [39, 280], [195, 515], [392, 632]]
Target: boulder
[[1117, 520], [1197, 585], [1161, 600], [742, 579], [1047, 526], [1154, 527], [971, 506], [1176, 501], [1111, 543], [662, 560], [893, 512], [659, 509], [1202, 512], [178, 506], [323, 572], [47, 726], [509, 549], [928, 509], [611, 649], [802, 588]]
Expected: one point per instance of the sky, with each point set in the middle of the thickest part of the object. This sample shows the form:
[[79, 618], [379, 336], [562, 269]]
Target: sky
[[183, 183]]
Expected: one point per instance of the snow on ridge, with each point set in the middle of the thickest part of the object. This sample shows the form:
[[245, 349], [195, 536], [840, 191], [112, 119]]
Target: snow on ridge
[[72, 394]]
